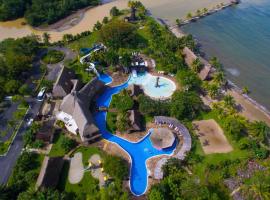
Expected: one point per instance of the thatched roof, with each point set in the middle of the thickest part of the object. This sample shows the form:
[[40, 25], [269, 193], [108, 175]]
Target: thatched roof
[[162, 138], [63, 84], [50, 172], [77, 104], [135, 90], [190, 57], [135, 120]]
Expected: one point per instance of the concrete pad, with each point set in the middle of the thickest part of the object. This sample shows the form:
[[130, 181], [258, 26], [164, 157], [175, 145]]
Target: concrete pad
[[76, 170]]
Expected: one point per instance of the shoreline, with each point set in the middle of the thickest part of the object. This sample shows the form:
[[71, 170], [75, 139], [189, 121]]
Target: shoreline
[[251, 105]]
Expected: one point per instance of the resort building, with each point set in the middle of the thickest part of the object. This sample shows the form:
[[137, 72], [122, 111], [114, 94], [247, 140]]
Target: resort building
[[65, 82], [50, 172], [75, 109], [190, 57], [135, 121]]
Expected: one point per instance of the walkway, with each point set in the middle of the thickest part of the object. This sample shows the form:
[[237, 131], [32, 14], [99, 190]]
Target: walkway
[[181, 132]]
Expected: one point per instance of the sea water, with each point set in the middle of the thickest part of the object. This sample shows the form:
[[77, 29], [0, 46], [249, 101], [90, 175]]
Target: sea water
[[240, 37]]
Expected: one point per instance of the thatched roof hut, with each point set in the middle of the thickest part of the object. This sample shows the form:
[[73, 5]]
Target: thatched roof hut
[[162, 138], [65, 83], [190, 57]]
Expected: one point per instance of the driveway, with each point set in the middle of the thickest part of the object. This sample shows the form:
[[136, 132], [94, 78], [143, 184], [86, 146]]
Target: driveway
[[8, 162]]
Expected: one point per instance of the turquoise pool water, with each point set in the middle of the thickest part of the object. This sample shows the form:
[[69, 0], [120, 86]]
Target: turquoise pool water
[[139, 152], [148, 82], [105, 78]]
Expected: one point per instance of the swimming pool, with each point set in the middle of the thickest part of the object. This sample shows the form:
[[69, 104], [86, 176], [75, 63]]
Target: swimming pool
[[105, 78], [165, 89], [138, 152]]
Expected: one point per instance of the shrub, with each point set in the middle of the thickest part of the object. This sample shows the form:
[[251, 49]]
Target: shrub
[[115, 167]]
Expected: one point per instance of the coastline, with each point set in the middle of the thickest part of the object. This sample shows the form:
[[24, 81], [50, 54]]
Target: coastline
[[250, 108]]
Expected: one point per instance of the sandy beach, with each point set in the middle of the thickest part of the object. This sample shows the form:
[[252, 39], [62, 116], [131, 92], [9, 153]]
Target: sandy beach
[[84, 20]]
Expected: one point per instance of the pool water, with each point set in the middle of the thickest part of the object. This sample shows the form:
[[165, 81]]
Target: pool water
[[105, 78], [138, 152], [165, 87]]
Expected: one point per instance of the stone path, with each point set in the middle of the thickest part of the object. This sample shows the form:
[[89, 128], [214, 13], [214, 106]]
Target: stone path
[[76, 170]]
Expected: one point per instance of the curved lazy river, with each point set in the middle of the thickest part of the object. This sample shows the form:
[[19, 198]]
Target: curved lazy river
[[138, 152]]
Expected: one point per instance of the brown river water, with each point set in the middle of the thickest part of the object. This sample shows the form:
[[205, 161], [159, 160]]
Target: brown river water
[[167, 10]]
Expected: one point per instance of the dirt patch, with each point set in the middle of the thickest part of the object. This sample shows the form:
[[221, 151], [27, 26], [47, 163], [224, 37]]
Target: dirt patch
[[212, 137], [76, 170]]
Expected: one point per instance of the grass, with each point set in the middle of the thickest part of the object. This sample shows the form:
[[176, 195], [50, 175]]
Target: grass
[[84, 42], [37, 166], [88, 185], [53, 56], [4, 146], [202, 168], [57, 150]]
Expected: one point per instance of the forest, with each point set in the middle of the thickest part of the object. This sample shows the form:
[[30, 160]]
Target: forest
[[39, 12]]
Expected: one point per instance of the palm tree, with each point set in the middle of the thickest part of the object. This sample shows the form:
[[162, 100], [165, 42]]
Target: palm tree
[[179, 22], [213, 90], [229, 101], [46, 38], [133, 5], [189, 16], [245, 90], [219, 78], [196, 65], [205, 10], [198, 12], [259, 130]]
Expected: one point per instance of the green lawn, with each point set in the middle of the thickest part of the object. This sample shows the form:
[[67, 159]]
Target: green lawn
[[53, 56], [84, 42], [57, 150], [202, 168], [88, 184]]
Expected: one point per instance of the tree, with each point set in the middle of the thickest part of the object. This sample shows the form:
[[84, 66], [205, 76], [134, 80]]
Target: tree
[[260, 131], [189, 15], [118, 34], [46, 38], [11, 86], [213, 90], [67, 144], [229, 101], [188, 80], [245, 90], [122, 102], [219, 78], [133, 5], [115, 167], [97, 26], [198, 12], [185, 105], [24, 89], [216, 63], [235, 127], [114, 11], [179, 22], [122, 122], [205, 10], [105, 20], [196, 65]]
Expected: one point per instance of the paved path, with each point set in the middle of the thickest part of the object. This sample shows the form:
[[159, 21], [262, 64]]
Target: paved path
[[8, 162]]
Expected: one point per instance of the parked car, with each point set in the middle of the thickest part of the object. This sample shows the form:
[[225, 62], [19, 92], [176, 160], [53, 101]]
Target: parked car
[[30, 121], [41, 94]]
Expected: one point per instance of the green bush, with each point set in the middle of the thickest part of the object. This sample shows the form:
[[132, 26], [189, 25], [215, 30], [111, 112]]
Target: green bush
[[67, 144]]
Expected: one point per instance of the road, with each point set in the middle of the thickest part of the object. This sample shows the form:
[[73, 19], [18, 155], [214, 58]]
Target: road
[[8, 162]]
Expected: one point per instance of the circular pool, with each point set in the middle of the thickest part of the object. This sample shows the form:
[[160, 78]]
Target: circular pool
[[163, 90]]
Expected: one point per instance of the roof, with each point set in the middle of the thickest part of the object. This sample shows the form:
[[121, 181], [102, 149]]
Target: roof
[[50, 172], [77, 104], [135, 90], [63, 84], [135, 120], [46, 132], [189, 59], [162, 138]]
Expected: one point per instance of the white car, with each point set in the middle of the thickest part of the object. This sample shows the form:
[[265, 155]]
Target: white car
[[41, 94], [30, 121]]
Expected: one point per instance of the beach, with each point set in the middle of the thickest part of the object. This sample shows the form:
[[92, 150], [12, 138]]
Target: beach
[[84, 19]]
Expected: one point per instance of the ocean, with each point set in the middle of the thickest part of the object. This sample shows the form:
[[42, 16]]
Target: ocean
[[240, 37]]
